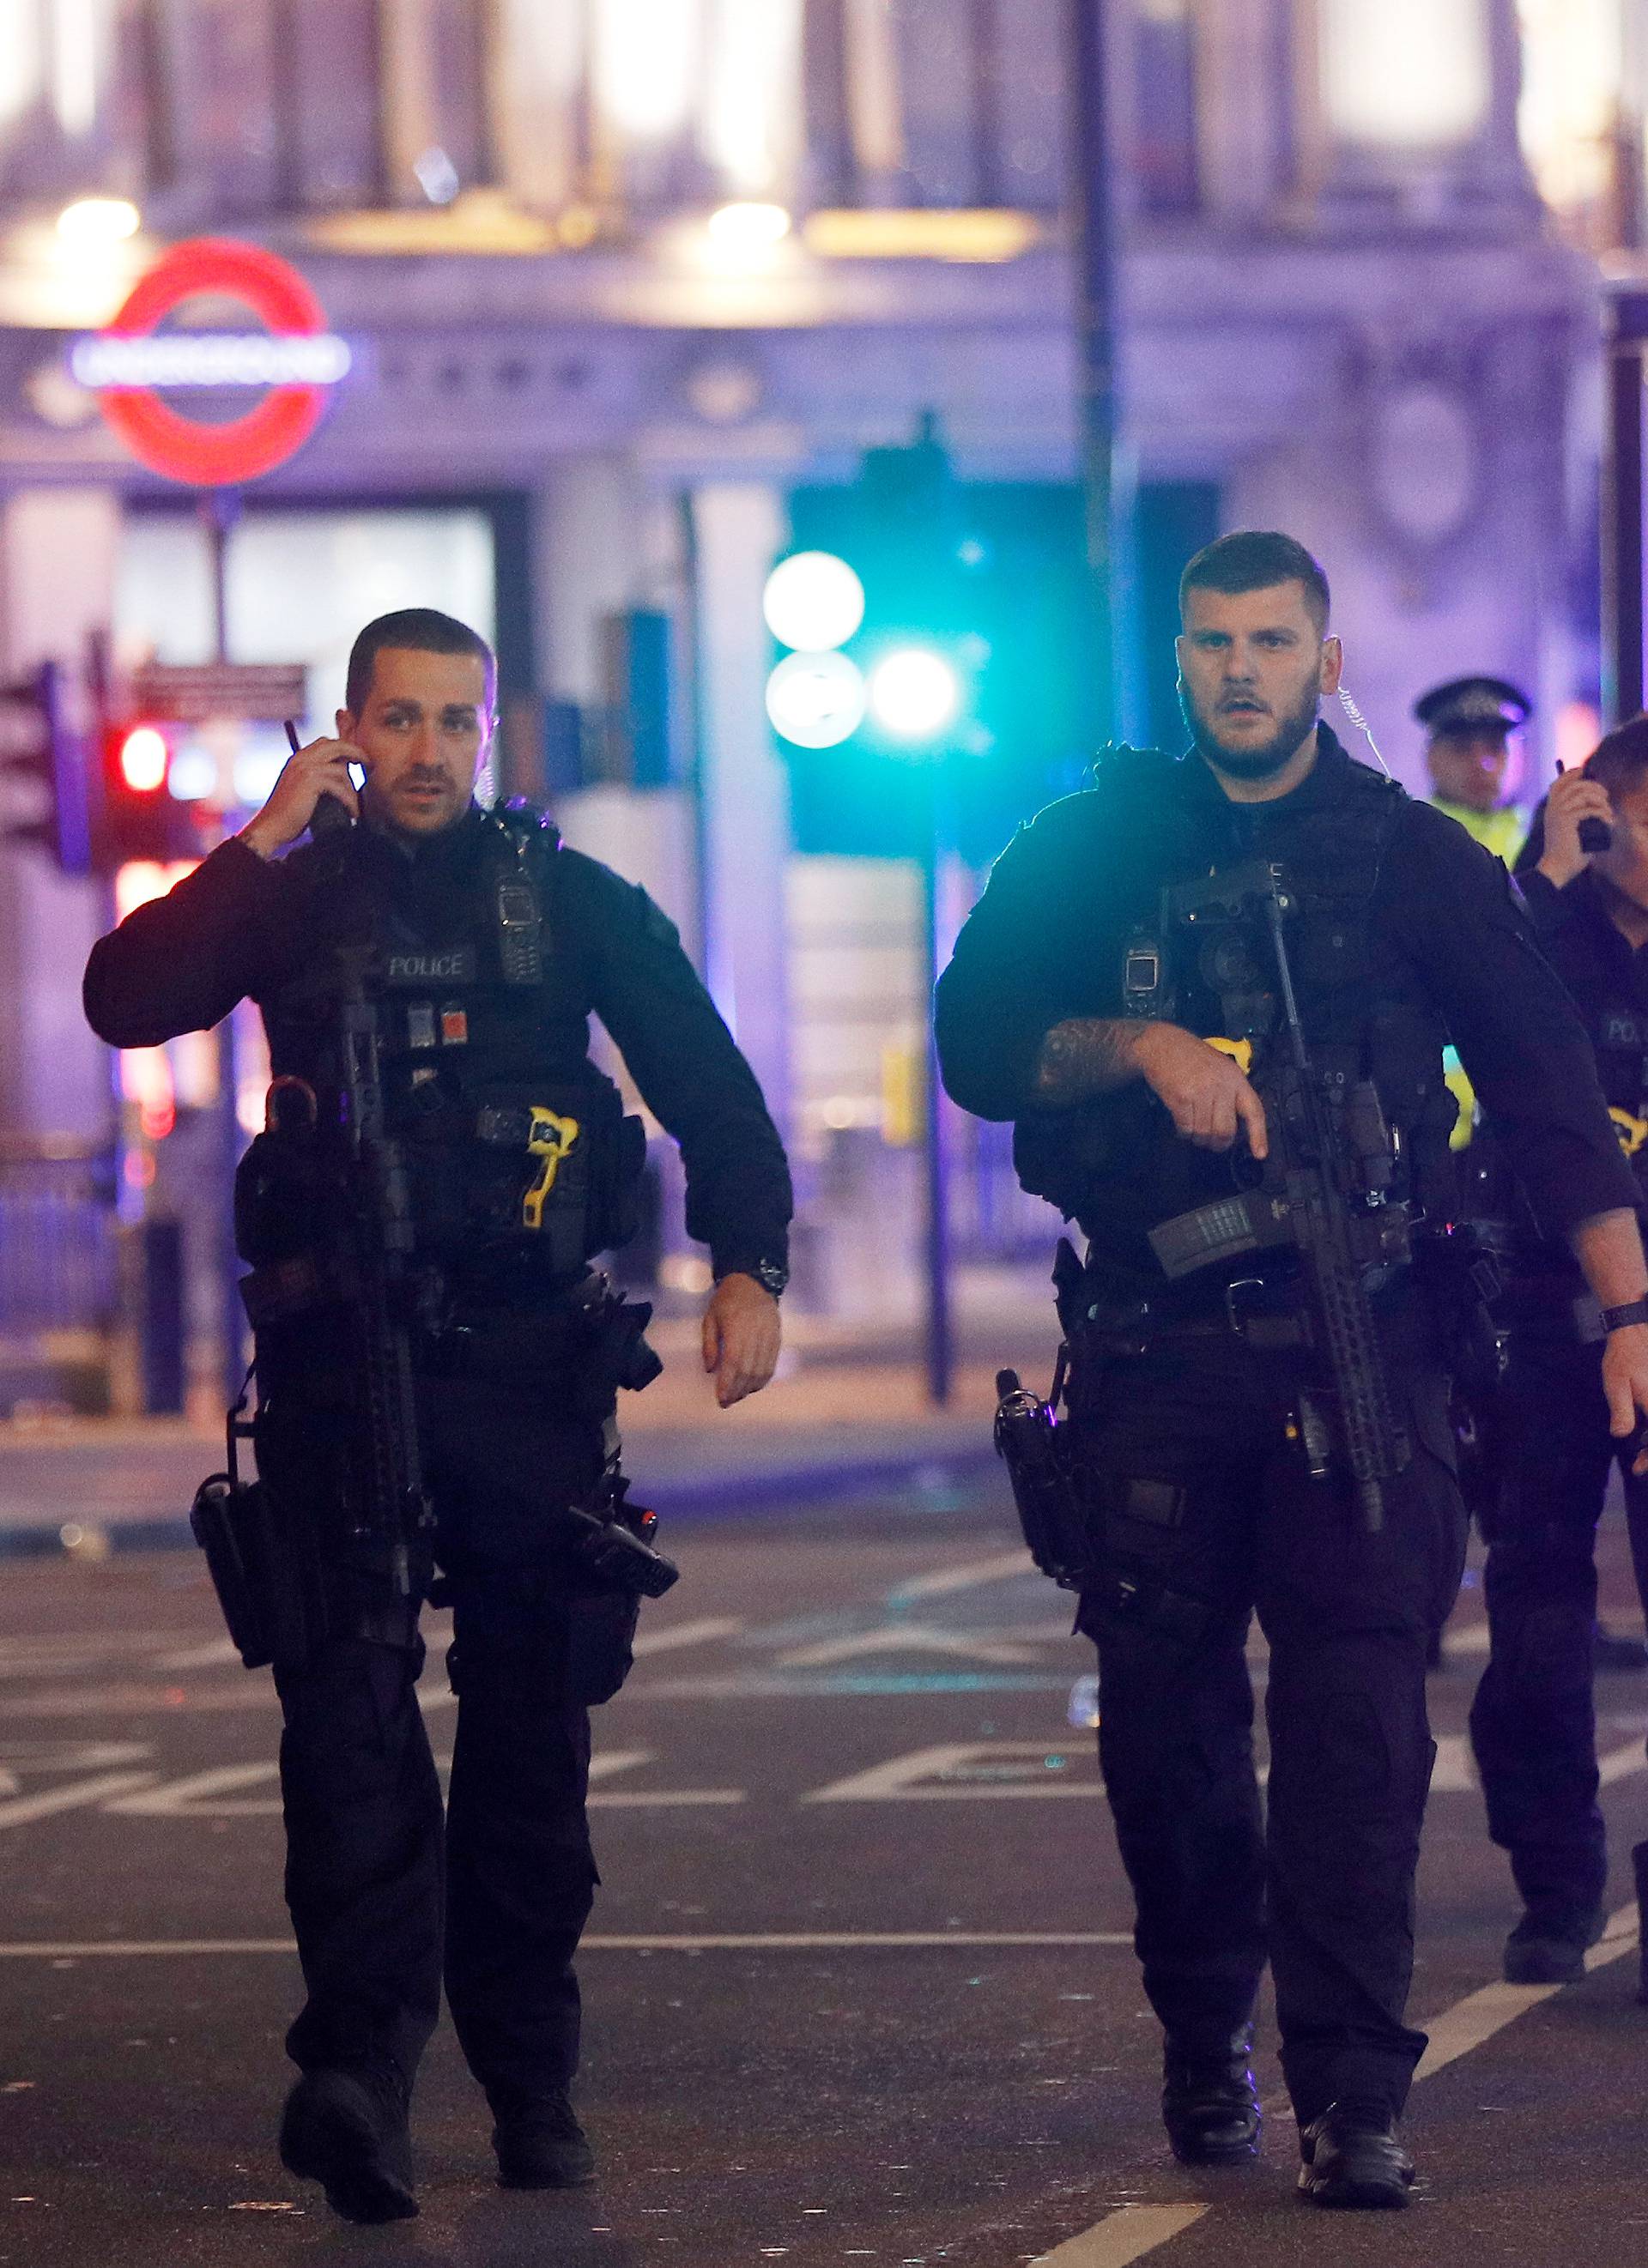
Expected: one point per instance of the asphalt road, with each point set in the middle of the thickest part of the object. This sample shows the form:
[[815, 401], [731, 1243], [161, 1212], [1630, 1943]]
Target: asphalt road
[[859, 1987]]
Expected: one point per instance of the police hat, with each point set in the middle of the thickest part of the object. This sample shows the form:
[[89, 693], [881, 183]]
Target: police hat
[[1474, 704]]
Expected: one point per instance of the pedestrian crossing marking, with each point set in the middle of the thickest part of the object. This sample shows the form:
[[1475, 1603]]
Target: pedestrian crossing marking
[[204, 1795], [961, 1771], [912, 1638]]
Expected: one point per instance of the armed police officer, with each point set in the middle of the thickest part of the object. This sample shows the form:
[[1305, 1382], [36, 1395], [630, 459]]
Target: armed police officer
[[1213, 993], [479, 949], [1534, 1719]]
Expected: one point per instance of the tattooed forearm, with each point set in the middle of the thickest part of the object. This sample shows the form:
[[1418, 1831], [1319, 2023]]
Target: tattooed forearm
[[1089, 1054]]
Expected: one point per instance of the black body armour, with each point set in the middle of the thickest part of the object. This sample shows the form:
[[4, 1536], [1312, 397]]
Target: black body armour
[[1117, 1165], [521, 1162]]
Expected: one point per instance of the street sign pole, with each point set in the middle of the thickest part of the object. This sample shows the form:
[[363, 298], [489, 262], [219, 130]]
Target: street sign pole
[[940, 1333], [219, 509]]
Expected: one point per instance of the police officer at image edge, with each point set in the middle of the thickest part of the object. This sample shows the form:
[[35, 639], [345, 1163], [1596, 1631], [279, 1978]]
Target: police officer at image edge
[[1469, 723], [1207, 1461], [1583, 876], [485, 1024]]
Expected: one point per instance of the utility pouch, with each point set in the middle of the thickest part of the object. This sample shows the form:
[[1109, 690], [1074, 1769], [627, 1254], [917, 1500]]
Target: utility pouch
[[600, 1644], [272, 1601], [1032, 1444]]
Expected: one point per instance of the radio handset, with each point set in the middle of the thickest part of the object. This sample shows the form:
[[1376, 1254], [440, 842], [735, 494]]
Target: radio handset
[[328, 813]]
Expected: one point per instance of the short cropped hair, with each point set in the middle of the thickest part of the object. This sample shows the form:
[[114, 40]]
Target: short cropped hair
[[415, 630], [1620, 759], [1254, 559]]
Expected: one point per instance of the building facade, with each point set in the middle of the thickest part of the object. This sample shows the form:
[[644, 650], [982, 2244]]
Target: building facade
[[621, 278]]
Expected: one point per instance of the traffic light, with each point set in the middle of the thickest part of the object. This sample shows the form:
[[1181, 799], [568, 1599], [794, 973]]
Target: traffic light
[[139, 817], [42, 770], [929, 621]]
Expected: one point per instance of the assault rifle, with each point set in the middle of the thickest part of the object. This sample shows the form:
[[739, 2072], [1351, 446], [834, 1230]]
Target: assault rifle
[[390, 1518], [1323, 1193], [324, 1216]]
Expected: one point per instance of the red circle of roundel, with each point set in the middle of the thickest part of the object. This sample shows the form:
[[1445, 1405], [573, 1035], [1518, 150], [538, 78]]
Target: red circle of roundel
[[214, 456]]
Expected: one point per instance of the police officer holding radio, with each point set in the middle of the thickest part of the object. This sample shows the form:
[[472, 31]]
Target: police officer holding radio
[[1213, 993], [485, 946], [1534, 1719]]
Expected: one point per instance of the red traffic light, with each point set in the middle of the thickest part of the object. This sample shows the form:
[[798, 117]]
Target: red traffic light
[[143, 757], [137, 818]]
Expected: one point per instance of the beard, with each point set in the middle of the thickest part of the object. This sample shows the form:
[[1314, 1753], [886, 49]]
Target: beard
[[1263, 759]]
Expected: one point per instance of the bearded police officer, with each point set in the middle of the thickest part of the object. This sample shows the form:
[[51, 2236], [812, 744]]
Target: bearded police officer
[[1534, 1719], [1213, 993], [492, 946]]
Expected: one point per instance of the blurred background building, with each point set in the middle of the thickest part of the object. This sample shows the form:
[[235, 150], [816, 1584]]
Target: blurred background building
[[629, 287]]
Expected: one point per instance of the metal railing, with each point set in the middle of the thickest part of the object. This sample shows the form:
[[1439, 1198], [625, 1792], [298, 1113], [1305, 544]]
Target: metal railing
[[59, 1262]]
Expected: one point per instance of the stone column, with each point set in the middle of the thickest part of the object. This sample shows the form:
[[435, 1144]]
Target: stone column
[[1238, 100], [740, 528]]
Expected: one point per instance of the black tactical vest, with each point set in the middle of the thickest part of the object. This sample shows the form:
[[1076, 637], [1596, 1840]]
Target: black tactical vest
[[519, 1156], [1117, 1165]]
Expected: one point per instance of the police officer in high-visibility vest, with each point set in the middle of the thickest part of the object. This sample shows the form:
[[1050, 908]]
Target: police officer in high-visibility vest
[[1471, 723], [490, 946]]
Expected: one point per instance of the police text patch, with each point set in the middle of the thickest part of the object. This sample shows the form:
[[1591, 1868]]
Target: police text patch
[[443, 964]]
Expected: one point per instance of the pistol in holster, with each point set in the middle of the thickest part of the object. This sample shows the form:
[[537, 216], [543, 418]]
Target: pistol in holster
[[1032, 1442]]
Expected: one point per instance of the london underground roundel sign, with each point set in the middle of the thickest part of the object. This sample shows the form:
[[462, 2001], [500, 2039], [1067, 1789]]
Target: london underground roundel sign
[[290, 363]]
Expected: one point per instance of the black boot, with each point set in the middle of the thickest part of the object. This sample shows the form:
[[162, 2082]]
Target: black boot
[[1548, 1947], [541, 2145], [1209, 2105], [347, 2130], [1352, 2157]]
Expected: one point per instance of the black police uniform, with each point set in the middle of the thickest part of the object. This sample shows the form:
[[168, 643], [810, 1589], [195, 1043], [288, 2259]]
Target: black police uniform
[[515, 1400], [1186, 1398], [1534, 1720]]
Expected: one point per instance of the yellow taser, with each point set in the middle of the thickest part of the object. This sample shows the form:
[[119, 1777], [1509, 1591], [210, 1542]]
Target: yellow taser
[[550, 1140]]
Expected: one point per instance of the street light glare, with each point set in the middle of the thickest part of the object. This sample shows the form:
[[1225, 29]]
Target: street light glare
[[813, 601], [913, 693], [816, 700], [748, 227], [92, 221]]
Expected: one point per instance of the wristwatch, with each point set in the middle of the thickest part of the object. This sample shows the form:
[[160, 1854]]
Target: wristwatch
[[1619, 1319], [773, 1275]]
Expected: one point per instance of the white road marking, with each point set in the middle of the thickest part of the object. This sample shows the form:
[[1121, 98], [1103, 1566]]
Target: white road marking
[[902, 1779], [662, 1798], [1456, 2032], [1455, 1772], [200, 1796], [616, 1760], [910, 1638], [743, 1941], [1481, 2014], [973, 1575], [221, 1650], [1123, 2236], [1620, 1763], [23, 1808], [703, 1633], [1470, 1638]]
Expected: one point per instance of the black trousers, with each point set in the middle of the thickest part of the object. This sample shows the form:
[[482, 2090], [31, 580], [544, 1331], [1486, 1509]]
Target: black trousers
[[1533, 1719], [1211, 1511], [384, 1895]]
